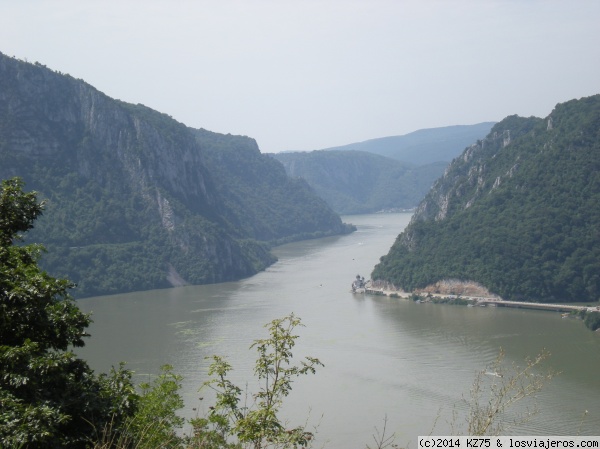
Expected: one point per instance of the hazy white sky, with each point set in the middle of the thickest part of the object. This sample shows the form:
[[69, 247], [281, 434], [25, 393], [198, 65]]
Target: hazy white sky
[[310, 74]]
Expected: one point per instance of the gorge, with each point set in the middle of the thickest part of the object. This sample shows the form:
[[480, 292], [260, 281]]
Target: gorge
[[136, 200]]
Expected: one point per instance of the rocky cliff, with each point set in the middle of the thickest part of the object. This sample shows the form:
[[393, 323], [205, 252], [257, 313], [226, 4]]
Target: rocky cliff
[[136, 200]]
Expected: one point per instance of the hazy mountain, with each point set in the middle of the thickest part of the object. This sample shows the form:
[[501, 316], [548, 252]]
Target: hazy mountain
[[355, 182], [424, 146], [390, 173], [136, 200], [517, 212]]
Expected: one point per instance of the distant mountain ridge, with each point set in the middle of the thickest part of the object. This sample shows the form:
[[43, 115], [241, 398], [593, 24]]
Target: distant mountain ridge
[[424, 146], [358, 182], [391, 173], [517, 212], [137, 200]]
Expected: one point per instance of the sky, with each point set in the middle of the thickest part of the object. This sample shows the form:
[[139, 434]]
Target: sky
[[300, 75]]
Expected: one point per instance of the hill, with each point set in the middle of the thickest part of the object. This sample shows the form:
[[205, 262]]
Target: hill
[[357, 182], [517, 212], [425, 146], [136, 200], [390, 173]]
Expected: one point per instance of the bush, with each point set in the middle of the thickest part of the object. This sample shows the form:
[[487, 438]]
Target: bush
[[258, 426], [592, 320]]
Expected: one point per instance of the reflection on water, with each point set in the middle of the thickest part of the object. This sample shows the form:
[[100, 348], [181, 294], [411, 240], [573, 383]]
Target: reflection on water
[[383, 357]]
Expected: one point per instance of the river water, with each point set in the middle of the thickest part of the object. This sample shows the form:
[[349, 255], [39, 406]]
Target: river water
[[385, 359]]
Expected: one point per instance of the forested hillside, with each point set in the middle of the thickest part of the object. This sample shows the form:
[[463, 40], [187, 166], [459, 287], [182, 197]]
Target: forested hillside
[[517, 212], [357, 182], [136, 200], [258, 198]]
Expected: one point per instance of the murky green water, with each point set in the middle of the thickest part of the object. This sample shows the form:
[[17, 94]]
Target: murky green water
[[413, 363]]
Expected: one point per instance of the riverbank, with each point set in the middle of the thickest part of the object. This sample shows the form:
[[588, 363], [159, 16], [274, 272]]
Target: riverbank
[[473, 295], [480, 300], [383, 356]]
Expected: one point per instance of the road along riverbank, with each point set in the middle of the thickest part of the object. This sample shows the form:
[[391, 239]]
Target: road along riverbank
[[476, 296]]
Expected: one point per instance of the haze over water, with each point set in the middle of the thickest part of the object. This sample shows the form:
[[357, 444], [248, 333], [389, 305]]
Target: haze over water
[[413, 363]]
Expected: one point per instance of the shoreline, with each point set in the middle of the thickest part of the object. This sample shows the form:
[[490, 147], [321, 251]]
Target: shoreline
[[477, 300]]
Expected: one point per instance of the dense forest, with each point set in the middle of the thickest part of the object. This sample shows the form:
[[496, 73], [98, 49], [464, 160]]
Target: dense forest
[[517, 212], [135, 200], [258, 199]]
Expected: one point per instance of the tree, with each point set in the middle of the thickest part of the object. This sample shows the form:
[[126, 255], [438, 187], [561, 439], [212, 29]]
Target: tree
[[258, 426], [48, 397]]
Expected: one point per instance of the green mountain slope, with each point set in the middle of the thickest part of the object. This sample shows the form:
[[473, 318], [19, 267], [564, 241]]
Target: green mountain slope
[[258, 198], [424, 146], [517, 212], [136, 200], [356, 182]]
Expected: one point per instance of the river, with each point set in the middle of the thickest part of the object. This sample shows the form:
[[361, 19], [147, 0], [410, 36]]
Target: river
[[385, 358]]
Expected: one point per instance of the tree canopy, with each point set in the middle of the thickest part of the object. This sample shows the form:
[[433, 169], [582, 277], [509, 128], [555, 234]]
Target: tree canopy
[[48, 397]]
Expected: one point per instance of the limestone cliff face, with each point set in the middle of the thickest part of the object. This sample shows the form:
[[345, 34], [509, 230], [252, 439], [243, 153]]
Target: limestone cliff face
[[474, 173], [132, 201], [56, 116], [472, 176]]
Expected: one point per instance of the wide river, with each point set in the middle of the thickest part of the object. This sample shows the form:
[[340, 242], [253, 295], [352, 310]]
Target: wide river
[[385, 359]]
